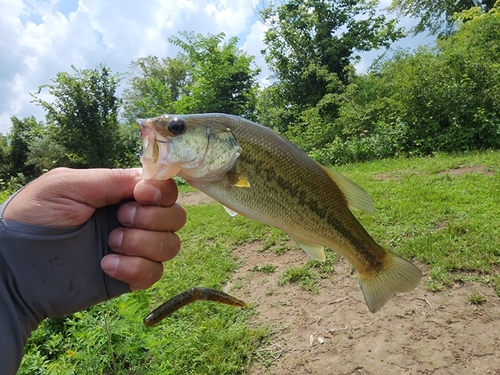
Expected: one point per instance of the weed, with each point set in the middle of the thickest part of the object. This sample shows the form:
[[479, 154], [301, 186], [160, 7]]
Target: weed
[[264, 268], [304, 275], [327, 267], [477, 299]]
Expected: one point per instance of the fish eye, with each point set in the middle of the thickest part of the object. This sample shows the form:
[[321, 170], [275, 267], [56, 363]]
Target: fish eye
[[177, 126]]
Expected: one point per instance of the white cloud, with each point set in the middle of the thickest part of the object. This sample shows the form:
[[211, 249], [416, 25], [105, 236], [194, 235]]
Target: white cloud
[[37, 40]]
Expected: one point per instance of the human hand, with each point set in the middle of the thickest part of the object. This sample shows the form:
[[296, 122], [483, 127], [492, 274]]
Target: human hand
[[66, 197]]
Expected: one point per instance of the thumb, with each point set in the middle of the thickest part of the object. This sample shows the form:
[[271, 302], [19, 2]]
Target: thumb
[[68, 197], [102, 187]]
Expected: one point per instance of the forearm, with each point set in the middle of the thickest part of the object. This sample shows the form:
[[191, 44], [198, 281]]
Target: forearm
[[49, 272]]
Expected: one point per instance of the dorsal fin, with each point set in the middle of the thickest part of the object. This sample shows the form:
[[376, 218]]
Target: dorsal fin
[[355, 195]]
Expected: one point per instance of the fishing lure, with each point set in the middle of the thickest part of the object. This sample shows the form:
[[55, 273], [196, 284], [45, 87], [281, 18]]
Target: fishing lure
[[189, 296]]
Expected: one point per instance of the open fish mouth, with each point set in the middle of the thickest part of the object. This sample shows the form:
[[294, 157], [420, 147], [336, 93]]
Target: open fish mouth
[[154, 153]]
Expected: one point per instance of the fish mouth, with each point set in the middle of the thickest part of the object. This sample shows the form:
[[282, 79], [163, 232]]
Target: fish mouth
[[154, 153]]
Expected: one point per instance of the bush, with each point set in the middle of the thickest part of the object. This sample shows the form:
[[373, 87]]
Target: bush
[[445, 98]]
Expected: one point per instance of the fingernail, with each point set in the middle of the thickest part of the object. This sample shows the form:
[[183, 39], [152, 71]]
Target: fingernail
[[153, 192], [126, 214], [115, 238], [110, 263]]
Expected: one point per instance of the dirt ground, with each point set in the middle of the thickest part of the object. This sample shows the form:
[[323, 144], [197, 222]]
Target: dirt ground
[[334, 333]]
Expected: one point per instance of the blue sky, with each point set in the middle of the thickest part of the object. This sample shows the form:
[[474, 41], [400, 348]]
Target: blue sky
[[39, 38]]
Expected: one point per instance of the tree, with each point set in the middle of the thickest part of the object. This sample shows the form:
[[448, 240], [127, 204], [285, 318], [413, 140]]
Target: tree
[[24, 132], [5, 166], [445, 98], [208, 75], [84, 115], [436, 16], [155, 84], [221, 76], [46, 153], [310, 46]]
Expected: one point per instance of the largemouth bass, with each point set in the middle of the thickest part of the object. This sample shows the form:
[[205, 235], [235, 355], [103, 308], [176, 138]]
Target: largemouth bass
[[257, 173]]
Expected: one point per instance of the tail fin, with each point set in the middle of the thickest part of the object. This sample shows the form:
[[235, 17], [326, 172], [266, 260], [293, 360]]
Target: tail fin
[[399, 276]]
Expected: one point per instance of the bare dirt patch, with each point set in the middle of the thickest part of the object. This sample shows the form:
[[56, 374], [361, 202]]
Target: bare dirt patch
[[194, 198], [482, 169], [334, 333]]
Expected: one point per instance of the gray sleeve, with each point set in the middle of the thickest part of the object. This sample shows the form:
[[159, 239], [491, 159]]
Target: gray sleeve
[[50, 272]]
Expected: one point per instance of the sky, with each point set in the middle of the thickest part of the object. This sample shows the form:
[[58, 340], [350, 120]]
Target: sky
[[39, 38]]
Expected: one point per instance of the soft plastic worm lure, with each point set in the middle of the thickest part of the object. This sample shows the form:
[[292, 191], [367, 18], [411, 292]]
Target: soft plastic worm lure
[[189, 296]]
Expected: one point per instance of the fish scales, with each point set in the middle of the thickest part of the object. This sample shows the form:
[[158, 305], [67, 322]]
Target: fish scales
[[257, 173], [277, 191]]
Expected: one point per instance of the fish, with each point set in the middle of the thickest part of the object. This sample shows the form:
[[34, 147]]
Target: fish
[[257, 173]]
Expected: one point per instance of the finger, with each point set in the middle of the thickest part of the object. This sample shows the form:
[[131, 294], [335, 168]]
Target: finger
[[156, 192], [156, 218], [156, 246], [138, 272]]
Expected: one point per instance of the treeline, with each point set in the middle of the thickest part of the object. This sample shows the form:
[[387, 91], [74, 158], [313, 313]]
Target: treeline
[[444, 98]]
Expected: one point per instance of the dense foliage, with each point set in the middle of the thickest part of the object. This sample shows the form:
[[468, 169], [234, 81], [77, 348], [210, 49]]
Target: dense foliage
[[83, 117], [310, 45], [445, 98], [436, 16]]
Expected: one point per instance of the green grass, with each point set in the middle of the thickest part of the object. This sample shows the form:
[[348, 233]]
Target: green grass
[[449, 222]]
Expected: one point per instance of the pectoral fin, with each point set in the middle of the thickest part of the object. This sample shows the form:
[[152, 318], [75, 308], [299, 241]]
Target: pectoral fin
[[230, 212], [314, 251], [355, 195], [238, 180]]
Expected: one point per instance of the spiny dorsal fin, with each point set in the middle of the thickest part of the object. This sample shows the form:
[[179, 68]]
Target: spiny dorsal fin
[[316, 252], [355, 195]]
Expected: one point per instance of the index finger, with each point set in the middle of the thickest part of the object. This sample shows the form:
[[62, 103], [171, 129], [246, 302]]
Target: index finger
[[156, 192]]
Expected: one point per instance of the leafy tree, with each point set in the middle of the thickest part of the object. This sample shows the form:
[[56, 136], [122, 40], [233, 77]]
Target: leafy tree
[[24, 132], [5, 166], [208, 75], [129, 146], [155, 84], [84, 115], [46, 153], [310, 46], [221, 77], [436, 16]]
